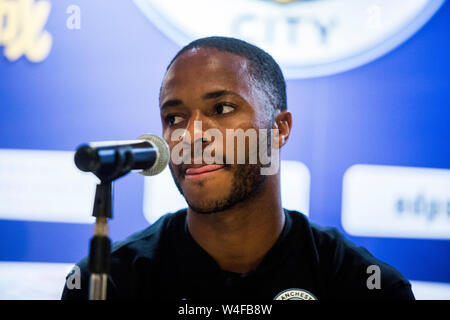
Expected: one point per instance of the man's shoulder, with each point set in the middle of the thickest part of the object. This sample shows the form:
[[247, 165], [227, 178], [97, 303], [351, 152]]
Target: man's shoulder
[[332, 242], [146, 241], [346, 265], [143, 243]]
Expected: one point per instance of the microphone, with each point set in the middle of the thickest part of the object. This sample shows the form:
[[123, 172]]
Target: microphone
[[149, 153]]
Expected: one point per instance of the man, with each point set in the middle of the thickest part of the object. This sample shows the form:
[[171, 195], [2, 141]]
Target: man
[[235, 240]]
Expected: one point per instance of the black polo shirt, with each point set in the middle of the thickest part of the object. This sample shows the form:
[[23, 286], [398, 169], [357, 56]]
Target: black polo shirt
[[307, 261]]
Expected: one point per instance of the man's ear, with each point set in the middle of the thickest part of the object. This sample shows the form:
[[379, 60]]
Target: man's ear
[[283, 122]]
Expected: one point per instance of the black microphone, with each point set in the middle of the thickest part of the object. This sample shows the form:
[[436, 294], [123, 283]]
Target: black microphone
[[149, 153]]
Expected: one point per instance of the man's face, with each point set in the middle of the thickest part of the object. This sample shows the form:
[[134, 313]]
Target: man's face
[[216, 88]]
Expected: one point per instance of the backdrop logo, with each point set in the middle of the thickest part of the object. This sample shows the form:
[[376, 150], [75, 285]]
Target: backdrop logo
[[22, 29], [308, 38], [394, 201]]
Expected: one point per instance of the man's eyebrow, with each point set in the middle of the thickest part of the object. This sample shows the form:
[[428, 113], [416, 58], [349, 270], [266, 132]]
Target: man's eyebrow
[[209, 95], [171, 103], [218, 93]]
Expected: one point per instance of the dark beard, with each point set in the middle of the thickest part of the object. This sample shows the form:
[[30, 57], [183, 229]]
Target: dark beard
[[247, 182]]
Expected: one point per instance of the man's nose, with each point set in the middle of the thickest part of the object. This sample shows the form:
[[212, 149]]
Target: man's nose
[[195, 129]]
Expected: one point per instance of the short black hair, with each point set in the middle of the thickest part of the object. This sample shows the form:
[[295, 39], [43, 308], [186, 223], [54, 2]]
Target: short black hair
[[263, 67]]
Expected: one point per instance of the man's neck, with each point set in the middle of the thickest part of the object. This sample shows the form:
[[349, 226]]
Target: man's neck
[[239, 238]]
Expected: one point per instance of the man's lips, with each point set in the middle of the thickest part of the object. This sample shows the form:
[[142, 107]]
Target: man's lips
[[202, 170]]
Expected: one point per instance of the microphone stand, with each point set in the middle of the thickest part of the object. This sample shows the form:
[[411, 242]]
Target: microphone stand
[[99, 260]]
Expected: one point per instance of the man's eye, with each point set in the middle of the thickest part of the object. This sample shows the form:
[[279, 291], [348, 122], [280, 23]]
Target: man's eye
[[172, 119], [222, 108]]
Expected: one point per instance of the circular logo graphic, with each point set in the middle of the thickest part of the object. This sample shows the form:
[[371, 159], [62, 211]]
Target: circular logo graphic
[[295, 294], [308, 38]]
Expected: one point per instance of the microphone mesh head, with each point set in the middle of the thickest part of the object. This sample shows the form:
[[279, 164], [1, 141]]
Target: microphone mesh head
[[162, 154]]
